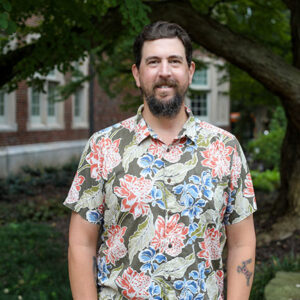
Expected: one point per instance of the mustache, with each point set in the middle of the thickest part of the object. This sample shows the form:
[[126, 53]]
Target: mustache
[[168, 82]]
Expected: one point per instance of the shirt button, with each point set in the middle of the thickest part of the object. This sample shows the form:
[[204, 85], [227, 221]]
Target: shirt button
[[170, 245], [169, 278], [169, 180], [168, 150]]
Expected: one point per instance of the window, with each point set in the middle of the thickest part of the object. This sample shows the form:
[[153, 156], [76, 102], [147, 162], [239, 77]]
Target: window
[[200, 77], [45, 112], [7, 111], [199, 104], [2, 105], [52, 105], [80, 99]]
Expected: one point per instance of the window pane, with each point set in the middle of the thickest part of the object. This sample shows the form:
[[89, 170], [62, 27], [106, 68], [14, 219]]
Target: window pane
[[199, 104], [35, 102], [200, 77], [2, 104], [78, 103], [51, 99]]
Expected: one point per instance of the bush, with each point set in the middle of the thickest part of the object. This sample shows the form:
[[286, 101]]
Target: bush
[[33, 264], [32, 180], [266, 181]]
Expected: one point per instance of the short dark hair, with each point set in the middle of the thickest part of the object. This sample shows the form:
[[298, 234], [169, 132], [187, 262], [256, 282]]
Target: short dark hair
[[162, 30]]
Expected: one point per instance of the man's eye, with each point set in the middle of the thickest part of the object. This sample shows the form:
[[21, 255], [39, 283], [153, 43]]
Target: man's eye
[[175, 61], [152, 62]]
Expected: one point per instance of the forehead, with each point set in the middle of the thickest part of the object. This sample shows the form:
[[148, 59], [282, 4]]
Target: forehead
[[163, 48]]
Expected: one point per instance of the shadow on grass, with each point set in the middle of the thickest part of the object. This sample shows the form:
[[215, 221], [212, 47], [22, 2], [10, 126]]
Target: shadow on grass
[[33, 263]]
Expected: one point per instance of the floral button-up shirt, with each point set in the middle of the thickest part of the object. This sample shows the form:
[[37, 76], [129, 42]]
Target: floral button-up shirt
[[163, 209]]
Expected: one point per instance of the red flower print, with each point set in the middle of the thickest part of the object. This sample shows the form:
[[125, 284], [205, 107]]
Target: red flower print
[[129, 124], [175, 152], [136, 194], [115, 243], [141, 131], [169, 236], [235, 169], [156, 148], [135, 285], [73, 195], [249, 190], [210, 246], [104, 156], [217, 157], [220, 282], [225, 197]]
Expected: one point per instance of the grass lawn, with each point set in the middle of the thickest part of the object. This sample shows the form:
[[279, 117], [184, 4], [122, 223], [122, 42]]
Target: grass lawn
[[33, 262]]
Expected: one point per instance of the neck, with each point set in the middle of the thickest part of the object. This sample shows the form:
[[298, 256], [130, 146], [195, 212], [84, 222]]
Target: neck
[[166, 128]]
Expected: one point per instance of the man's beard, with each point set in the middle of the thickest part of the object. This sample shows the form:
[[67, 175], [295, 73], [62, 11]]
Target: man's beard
[[168, 109], [161, 108]]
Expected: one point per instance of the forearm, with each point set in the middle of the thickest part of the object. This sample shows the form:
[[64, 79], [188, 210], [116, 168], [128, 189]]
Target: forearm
[[82, 272], [240, 272]]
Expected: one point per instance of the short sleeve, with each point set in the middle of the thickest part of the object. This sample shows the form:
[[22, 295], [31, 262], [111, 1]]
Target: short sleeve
[[86, 195], [241, 200]]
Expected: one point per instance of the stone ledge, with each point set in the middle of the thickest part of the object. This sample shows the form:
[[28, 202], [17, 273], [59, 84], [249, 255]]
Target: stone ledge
[[285, 286]]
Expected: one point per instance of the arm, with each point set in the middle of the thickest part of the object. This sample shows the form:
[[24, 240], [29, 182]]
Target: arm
[[241, 259], [83, 237]]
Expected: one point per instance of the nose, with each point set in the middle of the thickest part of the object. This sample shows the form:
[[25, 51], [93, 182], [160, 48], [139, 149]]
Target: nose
[[164, 70]]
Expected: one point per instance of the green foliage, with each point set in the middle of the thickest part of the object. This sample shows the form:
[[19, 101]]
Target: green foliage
[[7, 26], [32, 180], [265, 272], [32, 263], [267, 181], [266, 148]]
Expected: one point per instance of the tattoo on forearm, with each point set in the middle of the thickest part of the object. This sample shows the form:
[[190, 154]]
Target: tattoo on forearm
[[243, 269], [95, 269]]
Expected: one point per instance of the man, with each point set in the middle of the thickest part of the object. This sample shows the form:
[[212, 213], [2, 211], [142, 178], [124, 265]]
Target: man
[[163, 190]]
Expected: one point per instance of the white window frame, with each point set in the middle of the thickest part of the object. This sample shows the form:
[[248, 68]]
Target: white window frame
[[202, 117], [8, 120], [198, 86], [44, 121], [82, 121]]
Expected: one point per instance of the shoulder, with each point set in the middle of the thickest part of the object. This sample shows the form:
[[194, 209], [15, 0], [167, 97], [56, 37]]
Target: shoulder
[[122, 128], [209, 129]]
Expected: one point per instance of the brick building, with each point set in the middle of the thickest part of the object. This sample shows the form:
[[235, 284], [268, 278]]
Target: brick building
[[36, 131]]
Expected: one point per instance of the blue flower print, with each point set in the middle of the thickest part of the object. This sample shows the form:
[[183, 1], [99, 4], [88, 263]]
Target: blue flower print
[[199, 276], [229, 207], [189, 193], [190, 146], [156, 195], [188, 288], [205, 184], [150, 259], [188, 198], [94, 216], [102, 271], [154, 291], [149, 164]]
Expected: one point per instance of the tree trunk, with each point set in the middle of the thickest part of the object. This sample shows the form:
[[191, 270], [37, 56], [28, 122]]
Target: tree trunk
[[289, 197]]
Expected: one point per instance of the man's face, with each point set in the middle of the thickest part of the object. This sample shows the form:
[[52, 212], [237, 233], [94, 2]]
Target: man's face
[[163, 76]]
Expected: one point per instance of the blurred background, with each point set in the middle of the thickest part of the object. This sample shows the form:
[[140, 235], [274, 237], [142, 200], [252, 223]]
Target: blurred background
[[65, 72]]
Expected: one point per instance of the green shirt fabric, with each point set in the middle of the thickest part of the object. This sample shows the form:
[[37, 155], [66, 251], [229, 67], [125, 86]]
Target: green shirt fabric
[[163, 209]]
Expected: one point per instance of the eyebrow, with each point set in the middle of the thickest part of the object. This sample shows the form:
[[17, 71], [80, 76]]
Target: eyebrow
[[179, 57]]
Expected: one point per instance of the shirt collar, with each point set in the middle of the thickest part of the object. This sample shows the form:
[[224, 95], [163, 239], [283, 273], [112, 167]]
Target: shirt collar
[[142, 130]]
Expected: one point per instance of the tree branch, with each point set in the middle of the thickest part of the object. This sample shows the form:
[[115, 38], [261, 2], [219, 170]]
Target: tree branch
[[259, 62]]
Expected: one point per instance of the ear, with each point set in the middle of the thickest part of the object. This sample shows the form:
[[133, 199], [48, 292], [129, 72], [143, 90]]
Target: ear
[[136, 75], [191, 71]]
